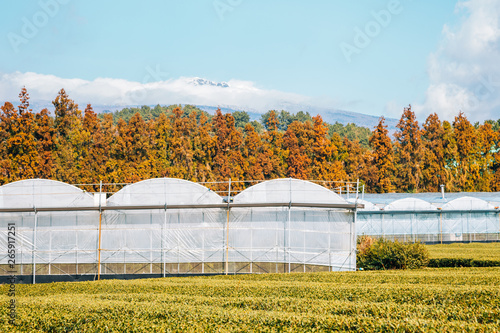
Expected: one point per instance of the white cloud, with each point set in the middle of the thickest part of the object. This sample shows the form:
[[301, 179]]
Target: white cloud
[[107, 91], [464, 72]]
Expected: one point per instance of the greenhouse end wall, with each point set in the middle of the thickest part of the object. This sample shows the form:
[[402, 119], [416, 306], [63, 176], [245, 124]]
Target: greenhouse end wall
[[162, 227]]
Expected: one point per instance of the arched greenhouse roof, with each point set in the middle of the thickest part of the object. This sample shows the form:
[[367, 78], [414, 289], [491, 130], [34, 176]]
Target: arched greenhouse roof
[[161, 191], [43, 193], [368, 205], [467, 203], [287, 190], [410, 204]]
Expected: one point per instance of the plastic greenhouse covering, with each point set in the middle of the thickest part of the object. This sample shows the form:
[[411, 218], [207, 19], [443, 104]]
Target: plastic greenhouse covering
[[54, 242], [298, 237], [367, 224], [163, 240], [469, 218], [169, 226], [165, 226], [432, 220]]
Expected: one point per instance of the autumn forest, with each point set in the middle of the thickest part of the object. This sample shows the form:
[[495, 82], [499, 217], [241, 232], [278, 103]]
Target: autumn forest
[[82, 147]]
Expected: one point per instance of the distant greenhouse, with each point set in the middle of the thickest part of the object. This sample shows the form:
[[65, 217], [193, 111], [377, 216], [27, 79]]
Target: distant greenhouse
[[431, 217]]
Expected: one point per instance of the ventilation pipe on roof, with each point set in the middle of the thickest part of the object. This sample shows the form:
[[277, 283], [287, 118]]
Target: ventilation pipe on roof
[[442, 191]]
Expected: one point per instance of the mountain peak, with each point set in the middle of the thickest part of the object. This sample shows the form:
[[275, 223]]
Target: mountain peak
[[198, 81]]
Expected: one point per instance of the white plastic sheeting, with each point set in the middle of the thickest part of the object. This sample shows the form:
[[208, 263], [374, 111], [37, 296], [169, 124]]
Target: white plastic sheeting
[[49, 239], [293, 236], [368, 206], [468, 216], [42, 193], [462, 219], [288, 190], [467, 204], [367, 224], [176, 226], [410, 204], [162, 237], [407, 222]]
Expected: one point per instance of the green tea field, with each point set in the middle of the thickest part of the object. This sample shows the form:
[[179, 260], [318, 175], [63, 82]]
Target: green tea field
[[444, 300], [477, 251]]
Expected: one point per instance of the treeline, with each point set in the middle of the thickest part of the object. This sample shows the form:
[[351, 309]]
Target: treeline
[[135, 144], [241, 119]]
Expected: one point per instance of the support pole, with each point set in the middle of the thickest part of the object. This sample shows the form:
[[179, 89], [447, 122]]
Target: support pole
[[289, 220], [163, 259], [353, 226], [227, 226], [100, 229], [468, 229], [441, 227], [76, 251], [329, 242], [34, 247]]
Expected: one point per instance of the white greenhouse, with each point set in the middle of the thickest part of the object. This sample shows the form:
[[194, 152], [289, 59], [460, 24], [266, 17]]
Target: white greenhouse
[[302, 232], [162, 227], [431, 218], [49, 235]]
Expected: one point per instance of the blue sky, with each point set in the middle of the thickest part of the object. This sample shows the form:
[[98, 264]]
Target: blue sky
[[273, 54]]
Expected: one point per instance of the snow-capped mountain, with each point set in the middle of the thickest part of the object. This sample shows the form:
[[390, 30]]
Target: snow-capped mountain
[[197, 81]]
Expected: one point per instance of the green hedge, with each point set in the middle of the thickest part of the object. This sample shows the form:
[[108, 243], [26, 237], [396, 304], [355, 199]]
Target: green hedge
[[462, 262], [375, 254]]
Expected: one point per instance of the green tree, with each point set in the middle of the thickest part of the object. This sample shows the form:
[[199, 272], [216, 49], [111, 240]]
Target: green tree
[[241, 118]]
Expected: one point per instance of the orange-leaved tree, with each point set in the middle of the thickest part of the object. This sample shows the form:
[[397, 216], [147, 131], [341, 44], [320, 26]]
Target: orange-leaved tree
[[326, 163], [468, 170], [383, 158], [274, 159], [434, 158], [408, 152], [298, 144], [228, 161]]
